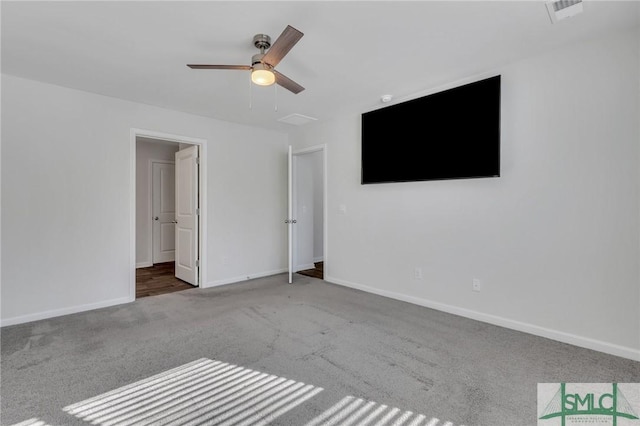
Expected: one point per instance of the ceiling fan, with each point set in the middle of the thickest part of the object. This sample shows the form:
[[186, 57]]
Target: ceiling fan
[[263, 64]]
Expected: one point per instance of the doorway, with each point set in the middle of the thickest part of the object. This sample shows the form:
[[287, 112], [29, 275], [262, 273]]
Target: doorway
[[308, 212], [168, 200]]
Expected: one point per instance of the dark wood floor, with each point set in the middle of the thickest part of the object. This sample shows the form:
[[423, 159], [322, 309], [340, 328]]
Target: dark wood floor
[[158, 279], [317, 272]]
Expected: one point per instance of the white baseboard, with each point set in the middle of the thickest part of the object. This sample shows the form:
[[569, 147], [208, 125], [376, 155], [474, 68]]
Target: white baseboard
[[304, 267], [64, 311], [232, 280], [144, 265], [560, 336], [318, 259]]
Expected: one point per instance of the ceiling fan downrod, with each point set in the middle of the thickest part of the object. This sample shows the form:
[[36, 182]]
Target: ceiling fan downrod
[[262, 42]]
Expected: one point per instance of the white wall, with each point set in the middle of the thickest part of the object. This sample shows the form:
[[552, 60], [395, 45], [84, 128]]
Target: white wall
[[555, 239], [65, 197], [146, 151]]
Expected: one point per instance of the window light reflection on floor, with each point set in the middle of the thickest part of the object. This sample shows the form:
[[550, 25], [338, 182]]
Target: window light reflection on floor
[[204, 391], [208, 392], [351, 411]]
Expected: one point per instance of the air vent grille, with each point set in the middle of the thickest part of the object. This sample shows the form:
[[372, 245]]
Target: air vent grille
[[297, 119], [563, 4], [562, 9]]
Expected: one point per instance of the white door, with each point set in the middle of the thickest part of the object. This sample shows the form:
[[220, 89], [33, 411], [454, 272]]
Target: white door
[[163, 200], [187, 215], [290, 222]]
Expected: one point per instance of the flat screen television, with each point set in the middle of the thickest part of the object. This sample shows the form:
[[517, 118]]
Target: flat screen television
[[453, 134]]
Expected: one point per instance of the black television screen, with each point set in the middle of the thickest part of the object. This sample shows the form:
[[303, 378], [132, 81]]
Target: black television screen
[[454, 134]]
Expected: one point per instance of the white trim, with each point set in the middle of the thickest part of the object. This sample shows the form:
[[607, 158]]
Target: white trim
[[144, 265], [303, 267], [325, 198], [226, 281], [310, 149], [290, 230], [318, 259], [64, 311], [325, 205], [202, 143], [151, 134], [560, 336], [150, 202], [293, 208]]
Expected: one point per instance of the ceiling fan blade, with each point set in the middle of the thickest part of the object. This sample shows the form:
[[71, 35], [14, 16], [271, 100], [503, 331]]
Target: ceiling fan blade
[[283, 44], [219, 67], [287, 83]]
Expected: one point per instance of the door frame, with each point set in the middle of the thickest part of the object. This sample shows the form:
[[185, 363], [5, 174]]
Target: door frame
[[151, 163], [161, 136], [325, 210]]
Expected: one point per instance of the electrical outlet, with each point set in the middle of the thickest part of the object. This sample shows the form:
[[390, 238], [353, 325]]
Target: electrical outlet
[[476, 285], [417, 273]]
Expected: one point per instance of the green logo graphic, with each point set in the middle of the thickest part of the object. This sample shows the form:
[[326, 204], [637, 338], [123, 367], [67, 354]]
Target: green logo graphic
[[586, 404]]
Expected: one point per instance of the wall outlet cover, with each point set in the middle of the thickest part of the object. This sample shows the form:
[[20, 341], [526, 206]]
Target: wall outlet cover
[[476, 284], [417, 273]]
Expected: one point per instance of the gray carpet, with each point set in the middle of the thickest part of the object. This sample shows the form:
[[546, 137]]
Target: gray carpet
[[319, 354]]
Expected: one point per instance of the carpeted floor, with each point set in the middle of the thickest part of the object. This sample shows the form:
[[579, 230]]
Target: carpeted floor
[[322, 354]]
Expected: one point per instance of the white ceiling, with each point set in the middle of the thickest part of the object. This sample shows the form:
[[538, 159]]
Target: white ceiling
[[350, 55]]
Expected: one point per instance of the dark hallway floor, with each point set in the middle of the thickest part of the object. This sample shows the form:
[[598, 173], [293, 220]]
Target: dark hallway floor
[[317, 272], [158, 279]]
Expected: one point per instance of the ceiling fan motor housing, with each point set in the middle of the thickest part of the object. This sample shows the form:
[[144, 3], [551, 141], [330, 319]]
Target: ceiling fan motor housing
[[256, 62]]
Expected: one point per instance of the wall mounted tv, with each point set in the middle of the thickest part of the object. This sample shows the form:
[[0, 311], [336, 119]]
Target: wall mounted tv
[[454, 134]]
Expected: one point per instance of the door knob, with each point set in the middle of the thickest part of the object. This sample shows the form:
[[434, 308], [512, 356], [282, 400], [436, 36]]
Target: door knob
[[155, 218], [174, 221]]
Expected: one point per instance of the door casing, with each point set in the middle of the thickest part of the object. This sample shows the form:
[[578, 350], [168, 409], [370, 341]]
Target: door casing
[[292, 198], [161, 136]]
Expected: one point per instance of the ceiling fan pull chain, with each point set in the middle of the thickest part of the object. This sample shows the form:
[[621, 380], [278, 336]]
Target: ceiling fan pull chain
[[250, 93], [275, 95]]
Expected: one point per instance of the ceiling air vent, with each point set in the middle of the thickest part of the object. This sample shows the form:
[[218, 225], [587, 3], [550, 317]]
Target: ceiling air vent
[[297, 119], [562, 9]]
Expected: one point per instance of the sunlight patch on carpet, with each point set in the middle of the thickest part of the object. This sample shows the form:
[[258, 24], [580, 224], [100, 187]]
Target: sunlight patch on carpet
[[352, 411], [201, 392], [32, 422]]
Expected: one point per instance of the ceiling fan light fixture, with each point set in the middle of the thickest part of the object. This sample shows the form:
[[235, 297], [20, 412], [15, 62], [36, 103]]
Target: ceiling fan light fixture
[[263, 64], [262, 75]]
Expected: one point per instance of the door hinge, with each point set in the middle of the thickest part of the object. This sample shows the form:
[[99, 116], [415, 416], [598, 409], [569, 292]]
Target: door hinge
[[197, 160], [198, 212], [198, 263]]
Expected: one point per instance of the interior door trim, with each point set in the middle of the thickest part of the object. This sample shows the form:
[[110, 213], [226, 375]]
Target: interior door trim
[[325, 229], [134, 133]]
